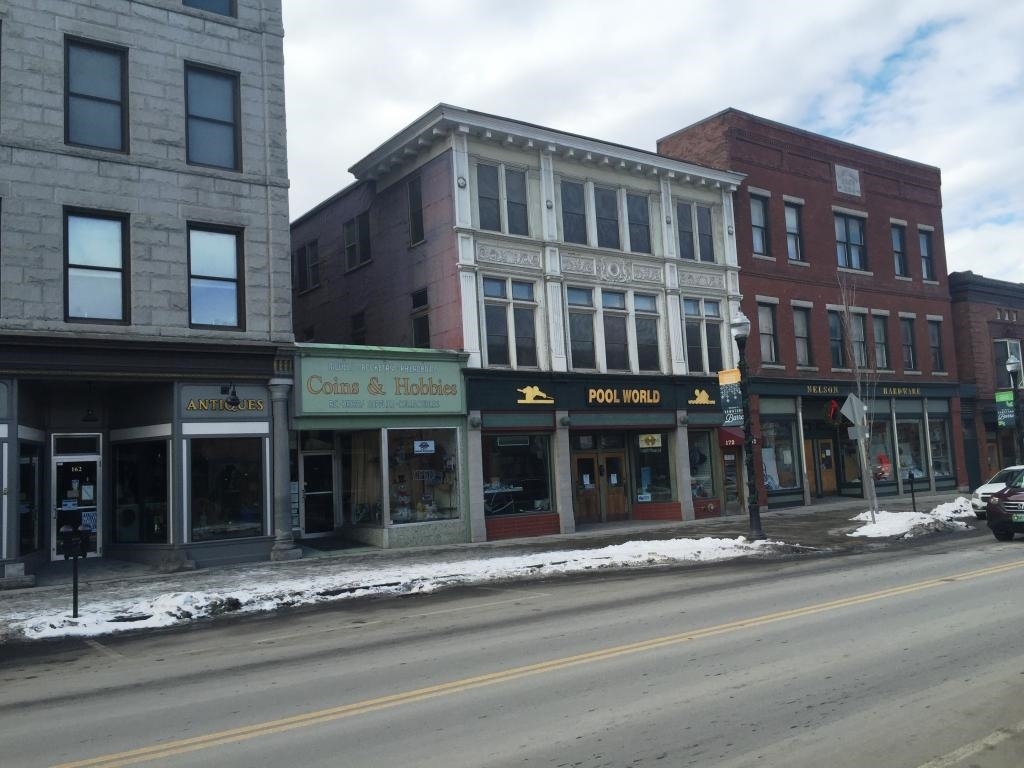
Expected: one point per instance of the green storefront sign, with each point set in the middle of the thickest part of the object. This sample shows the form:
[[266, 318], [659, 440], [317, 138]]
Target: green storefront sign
[[343, 385], [1005, 415]]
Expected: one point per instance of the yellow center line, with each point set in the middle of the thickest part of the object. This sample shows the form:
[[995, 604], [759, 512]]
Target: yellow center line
[[234, 735]]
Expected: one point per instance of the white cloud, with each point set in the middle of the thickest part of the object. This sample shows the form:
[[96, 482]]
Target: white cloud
[[938, 82]]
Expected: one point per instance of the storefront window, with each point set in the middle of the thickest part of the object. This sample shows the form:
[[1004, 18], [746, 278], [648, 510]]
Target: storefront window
[[780, 454], [942, 458], [424, 482], [653, 468], [910, 442], [702, 480], [140, 492], [361, 477], [517, 474], [29, 498], [880, 451], [226, 484]]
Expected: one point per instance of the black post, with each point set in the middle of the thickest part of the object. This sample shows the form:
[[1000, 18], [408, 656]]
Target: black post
[[1018, 440], [753, 511], [74, 581], [913, 498]]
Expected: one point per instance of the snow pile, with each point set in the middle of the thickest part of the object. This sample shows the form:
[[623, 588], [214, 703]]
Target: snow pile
[[945, 517], [269, 590]]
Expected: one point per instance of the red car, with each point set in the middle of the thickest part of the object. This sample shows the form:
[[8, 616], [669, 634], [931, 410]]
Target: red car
[[1006, 510]]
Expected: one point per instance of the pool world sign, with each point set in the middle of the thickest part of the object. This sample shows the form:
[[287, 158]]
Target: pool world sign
[[342, 386]]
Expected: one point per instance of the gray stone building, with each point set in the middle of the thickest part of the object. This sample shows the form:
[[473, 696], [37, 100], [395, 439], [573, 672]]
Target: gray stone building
[[145, 311]]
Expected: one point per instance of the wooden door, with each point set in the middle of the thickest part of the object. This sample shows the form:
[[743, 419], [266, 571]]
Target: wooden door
[[826, 455], [586, 490], [613, 486]]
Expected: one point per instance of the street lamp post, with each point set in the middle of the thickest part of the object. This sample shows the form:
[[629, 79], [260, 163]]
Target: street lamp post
[[1013, 368], [741, 332]]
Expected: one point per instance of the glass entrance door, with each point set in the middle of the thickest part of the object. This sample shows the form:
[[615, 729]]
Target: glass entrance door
[[586, 495], [76, 501], [600, 487], [317, 483]]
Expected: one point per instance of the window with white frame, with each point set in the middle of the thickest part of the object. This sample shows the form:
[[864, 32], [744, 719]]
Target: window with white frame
[[648, 348], [759, 225], [693, 226], [1002, 350], [96, 259], [880, 326], [501, 199], [850, 242], [574, 212], [580, 302], [767, 332], [802, 335], [606, 209], [639, 216], [794, 236], [702, 329], [510, 309]]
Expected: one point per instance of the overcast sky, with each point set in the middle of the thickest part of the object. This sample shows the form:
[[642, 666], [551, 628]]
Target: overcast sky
[[939, 82]]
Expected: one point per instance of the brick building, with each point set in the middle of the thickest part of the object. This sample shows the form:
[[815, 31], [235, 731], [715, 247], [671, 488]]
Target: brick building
[[590, 287], [989, 323], [843, 274], [146, 283]]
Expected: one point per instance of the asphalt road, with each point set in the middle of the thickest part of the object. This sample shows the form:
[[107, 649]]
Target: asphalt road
[[909, 657]]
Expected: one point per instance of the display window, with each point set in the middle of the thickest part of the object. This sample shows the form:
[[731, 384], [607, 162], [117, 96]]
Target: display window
[[880, 455], [422, 469], [226, 485], [781, 454], [140, 492], [910, 443], [362, 497], [942, 461], [702, 478], [517, 474], [652, 468]]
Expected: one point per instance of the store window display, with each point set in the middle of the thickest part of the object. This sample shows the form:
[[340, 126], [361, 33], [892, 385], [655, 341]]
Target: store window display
[[517, 474], [702, 479], [422, 470], [780, 454], [653, 468]]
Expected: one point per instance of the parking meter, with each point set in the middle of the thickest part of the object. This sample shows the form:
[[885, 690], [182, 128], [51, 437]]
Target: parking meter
[[74, 543]]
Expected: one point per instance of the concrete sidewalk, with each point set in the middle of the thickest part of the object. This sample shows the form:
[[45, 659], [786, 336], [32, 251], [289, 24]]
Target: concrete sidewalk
[[819, 529]]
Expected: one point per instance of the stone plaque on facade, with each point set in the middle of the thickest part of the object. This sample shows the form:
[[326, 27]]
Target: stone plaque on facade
[[848, 180], [514, 257], [578, 265]]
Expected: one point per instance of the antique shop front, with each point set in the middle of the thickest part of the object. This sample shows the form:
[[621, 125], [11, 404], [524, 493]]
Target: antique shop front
[[377, 453], [551, 452]]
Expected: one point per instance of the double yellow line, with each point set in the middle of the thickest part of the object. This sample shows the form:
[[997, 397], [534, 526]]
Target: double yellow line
[[321, 716]]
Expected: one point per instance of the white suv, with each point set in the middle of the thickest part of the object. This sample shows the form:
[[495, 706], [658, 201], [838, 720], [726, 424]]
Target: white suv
[[1002, 478]]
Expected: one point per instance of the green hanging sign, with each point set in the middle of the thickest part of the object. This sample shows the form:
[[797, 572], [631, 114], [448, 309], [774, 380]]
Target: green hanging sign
[[1005, 415]]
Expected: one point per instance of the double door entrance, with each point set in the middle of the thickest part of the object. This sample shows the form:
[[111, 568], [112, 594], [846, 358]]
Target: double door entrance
[[76, 492], [600, 486]]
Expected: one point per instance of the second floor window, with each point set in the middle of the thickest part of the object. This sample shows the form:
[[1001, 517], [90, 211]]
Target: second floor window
[[581, 327], [802, 334], [836, 339], [510, 310], [214, 258], [935, 345], [648, 350], [927, 262], [850, 242], [859, 339], [880, 326], [211, 103], [899, 250], [96, 253], [907, 340], [702, 332], [574, 213], [766, 330], [502, 206], [616, 331], [96, 96], [307, 266], [693, 219], [639, 216], [759, 224], [606, 204], [356, 232], [794, 246]]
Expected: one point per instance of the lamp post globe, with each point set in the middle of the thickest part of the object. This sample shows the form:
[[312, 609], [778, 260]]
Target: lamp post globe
[[741, 332]]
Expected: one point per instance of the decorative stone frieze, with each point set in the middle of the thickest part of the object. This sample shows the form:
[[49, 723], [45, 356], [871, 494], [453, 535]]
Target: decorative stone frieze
[[701, 280], [513, 257]]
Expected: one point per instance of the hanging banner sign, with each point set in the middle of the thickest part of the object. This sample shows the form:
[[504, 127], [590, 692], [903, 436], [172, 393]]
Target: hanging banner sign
[[1005, 415], [730, 397]]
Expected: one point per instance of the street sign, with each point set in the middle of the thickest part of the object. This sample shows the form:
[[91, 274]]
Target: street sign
[[854, 409]]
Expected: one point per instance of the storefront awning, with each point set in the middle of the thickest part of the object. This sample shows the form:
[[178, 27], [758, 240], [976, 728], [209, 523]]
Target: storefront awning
[[730, 437]]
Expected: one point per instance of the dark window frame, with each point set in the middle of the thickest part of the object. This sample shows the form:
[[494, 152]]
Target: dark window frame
[[571, 215], [121, 52], [420, 300], [846, 248], [881, 342], [307, 271], [925, 243], [201, 5], [794, 232], [908, 344], [124, 220], [640, 228], [802, 341], [582, 347], [605, 230], [899, 250], [760, 230], [356, 241], [837, 340], [235, 79], [935, 345], [239, 280], [768, 336], [417, 232]]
